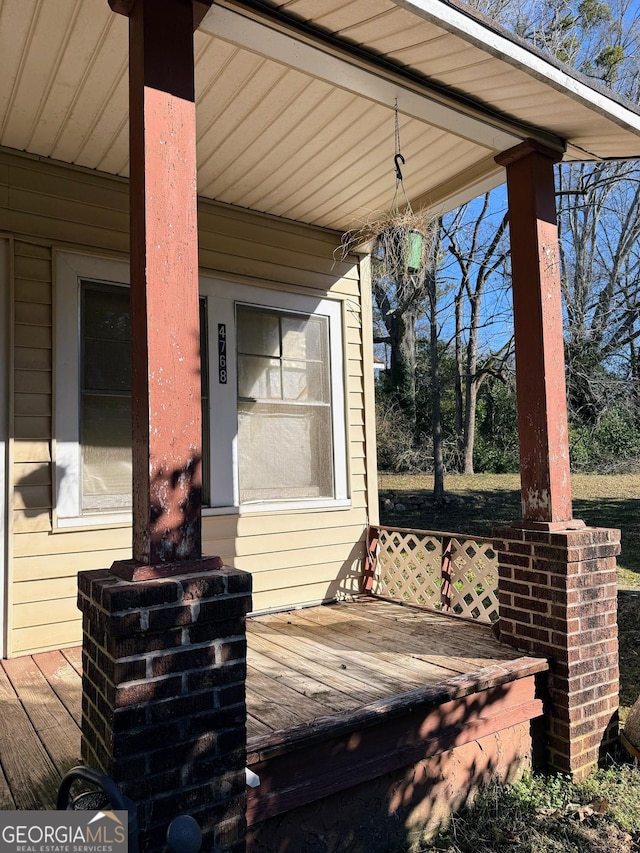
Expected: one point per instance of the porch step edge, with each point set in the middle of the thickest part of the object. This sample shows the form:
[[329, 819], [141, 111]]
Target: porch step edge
[[265, 747]]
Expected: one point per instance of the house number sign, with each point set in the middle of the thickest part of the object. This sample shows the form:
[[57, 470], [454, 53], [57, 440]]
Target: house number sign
[[222, 353]]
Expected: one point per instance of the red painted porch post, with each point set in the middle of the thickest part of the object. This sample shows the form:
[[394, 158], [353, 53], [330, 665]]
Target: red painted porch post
[[167, 444], [164, 647], [542, 402], [557, 578]]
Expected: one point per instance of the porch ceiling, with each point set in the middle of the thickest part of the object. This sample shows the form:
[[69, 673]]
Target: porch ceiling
[[295, 100]]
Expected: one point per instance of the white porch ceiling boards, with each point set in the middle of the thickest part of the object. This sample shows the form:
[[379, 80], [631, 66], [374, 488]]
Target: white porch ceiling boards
[[287, 121], [449, 46]]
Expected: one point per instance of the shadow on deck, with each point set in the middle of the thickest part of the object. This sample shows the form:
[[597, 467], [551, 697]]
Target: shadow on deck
[[356, 711]]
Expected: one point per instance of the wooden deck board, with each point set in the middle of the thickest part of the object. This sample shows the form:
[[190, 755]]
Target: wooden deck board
[[306, 662], [332, 699], [74, 657], [30, 773], [432, 637], [7, 803], [359, 634], [291, 709], [64, 680], [319, 645], [55, 727], [307, 670]]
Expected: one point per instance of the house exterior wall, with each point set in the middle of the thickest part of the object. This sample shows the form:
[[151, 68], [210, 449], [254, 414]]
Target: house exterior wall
[[296, 557], [4, 400]]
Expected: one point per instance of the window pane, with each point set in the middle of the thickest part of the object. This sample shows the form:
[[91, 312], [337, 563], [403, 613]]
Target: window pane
[[106, 338], [258, 331], [285, 449], [105, 399], [259, 378], [285, 452], [107, 365], [106, 312], [106, 452], [305, 381], [303, 337]]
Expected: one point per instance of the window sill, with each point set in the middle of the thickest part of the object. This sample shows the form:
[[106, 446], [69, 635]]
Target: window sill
[[275, 507], [124, 519], [94, 522]]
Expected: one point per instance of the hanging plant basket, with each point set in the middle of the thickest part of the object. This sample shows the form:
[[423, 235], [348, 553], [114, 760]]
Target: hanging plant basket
[[402, 240], [402, 243]]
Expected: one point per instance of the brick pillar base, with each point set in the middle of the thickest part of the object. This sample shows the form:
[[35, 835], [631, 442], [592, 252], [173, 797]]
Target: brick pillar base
[[163, 701], [558, 599]]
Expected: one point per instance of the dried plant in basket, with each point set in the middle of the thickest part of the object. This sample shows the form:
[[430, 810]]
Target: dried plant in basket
[[402, 244], [403, 241]]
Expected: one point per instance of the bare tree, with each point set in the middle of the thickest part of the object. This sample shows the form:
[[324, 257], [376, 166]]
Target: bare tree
[[481, 254], [599, 226]]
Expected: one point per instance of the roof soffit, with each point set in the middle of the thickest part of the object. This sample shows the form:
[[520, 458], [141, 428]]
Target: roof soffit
[[262, 29], [474, 63]]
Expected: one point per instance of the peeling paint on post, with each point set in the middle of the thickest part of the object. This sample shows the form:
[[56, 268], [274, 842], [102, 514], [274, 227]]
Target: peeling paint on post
[[167, 453], [540, 379]]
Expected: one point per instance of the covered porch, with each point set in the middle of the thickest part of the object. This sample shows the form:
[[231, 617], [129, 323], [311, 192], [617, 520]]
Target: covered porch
[[296, 104], [367, 692]]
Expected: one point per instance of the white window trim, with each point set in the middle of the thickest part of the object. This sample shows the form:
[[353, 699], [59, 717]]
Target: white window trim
[[70, 268], [222, 297]]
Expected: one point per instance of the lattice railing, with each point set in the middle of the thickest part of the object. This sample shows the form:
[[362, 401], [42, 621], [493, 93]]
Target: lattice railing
[[445, 571]]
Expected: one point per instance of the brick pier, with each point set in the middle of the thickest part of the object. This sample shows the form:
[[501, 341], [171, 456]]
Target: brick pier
[[164, 668], [558, 599]]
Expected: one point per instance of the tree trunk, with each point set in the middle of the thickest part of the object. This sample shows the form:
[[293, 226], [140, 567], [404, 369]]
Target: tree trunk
[[403, 363], [459, 408], [436, 418], [472, 382], [471, 396], [400, 324]]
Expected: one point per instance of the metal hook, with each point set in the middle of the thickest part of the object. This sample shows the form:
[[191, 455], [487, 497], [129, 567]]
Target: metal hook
[[398, 172]]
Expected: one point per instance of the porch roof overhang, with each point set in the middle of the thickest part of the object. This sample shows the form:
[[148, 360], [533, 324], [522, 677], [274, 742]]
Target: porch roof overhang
[[295, 100]]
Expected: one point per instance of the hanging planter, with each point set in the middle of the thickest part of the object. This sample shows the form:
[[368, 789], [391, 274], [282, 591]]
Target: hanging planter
[[402, 243], [401, 239]]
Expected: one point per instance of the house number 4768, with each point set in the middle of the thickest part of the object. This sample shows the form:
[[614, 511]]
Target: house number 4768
[[222, 353]]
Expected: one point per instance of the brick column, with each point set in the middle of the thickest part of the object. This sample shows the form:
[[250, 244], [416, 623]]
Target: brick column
[[558, 599], [164, 667]]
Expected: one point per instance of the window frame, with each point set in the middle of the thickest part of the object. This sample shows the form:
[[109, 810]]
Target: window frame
[[222, 299], [70, 269], [222, 296]]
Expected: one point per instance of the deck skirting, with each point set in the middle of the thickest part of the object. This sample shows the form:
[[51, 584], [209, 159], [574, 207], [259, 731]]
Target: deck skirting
[[314, 761]]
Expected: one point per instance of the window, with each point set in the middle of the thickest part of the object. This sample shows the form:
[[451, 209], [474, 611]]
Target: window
[[278, 428], [93, 408], [284, 406], [272, 388], [105, 396]]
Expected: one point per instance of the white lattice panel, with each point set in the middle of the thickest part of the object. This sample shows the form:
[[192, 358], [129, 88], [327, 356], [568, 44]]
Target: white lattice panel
[[408, 567], [438, 570], [474, 579]]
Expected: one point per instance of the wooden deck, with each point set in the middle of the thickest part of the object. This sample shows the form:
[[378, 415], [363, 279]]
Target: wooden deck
[[310, 671]]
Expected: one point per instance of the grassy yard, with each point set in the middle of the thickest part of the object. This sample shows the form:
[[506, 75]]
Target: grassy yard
[[476, 503], [547, 814]]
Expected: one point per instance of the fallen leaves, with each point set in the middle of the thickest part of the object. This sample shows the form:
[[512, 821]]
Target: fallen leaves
[[577, 811]]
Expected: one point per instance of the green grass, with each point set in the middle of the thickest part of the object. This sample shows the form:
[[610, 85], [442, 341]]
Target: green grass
[[477, 503]]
